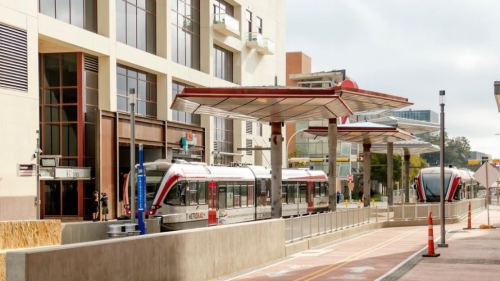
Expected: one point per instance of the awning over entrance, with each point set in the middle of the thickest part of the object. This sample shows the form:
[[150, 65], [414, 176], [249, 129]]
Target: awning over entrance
[[414, 147], [365, 132], [409, 125], [283, 104]]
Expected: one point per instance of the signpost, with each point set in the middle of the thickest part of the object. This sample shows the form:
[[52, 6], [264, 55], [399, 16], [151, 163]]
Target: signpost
[[350, 178], [487, 175], [141, 184]]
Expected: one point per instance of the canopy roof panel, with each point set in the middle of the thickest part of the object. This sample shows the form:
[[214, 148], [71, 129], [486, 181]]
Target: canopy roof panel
[[360, 133], [283, 104], [409, 125], [413, 147]]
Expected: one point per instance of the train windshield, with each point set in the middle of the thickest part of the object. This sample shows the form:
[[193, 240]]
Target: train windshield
[[153, 182], [431, 184]]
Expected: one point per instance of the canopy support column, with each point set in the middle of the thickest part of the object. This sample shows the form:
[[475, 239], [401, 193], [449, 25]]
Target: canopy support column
[[332, 163], [406, 175], [390, 173], [367, 173], [276, 169]]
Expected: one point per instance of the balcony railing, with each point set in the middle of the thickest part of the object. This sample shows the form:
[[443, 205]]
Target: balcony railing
[[227, 25], [269, 47], [263, 45]]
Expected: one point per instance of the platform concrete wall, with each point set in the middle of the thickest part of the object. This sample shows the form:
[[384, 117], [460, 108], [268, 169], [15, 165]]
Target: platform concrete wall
[[199, 254]]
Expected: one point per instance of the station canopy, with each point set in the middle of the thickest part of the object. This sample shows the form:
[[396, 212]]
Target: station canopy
[[409, 125], [283, 104], [413, 147], [364, 132]]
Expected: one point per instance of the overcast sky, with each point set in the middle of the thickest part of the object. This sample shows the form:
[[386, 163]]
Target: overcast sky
[[411, 48]]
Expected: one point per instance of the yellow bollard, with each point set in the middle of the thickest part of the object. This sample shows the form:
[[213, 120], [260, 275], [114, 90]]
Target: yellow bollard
[[373, 202], [346, 204], [359, 202]]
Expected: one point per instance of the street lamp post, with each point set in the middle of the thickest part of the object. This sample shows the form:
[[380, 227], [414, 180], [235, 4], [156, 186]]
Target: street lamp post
[[443, 233], [131, 99], [289, 143]]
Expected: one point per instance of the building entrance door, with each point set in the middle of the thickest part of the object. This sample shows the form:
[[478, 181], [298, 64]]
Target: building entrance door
[[60, 199]]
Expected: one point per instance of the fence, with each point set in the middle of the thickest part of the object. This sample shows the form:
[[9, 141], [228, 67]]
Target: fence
[[311, 225]]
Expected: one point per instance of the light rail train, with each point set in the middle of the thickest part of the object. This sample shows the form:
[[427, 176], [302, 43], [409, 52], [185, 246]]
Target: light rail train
[[459, 184], [191, 196]]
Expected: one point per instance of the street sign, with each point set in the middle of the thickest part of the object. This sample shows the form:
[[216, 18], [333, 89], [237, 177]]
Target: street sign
[[473, 162], [350, 178], [487, 175], [27, 170]]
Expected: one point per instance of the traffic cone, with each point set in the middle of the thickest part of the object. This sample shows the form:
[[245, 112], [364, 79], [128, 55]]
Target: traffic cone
[[469, 219], [430, 248]]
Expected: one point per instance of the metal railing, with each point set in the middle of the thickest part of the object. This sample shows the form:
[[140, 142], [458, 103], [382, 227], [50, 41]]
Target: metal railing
[[230, 22], [312, 225], [255, 37]]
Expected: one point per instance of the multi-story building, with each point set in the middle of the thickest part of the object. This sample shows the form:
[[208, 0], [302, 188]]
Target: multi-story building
[[67, 68], [476, 155], [422, 115]]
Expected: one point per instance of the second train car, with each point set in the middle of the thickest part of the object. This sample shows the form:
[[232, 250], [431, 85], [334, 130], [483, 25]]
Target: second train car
[[459, 184]]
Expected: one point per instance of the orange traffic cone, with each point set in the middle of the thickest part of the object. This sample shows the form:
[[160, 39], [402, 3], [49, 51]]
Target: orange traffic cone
[[430, 248], [469, 219]]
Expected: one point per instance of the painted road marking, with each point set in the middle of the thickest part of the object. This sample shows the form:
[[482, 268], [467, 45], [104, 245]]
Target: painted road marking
[[279, 274], [349, 277], [353, 257], [361, 269]]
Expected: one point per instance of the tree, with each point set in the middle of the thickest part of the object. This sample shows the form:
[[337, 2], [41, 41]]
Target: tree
[[457, 151], [379, 173], [416, 162]]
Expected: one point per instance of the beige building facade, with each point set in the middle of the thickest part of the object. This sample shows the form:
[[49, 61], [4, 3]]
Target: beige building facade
[[81, 58]]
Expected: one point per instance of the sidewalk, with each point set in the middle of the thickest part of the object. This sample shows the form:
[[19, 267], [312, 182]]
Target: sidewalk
[[471, 255]]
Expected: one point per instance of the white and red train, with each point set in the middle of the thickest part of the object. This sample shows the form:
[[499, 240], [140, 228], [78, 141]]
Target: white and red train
[[191, 196], [459, 184]]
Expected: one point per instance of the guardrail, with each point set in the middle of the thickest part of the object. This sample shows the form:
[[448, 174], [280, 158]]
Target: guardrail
[[311, 225]]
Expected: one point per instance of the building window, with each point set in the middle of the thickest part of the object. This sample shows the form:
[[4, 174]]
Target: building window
[[223, 63], [248, 18], [136, 24], [249, 145], [222, 7], [259, 25], [223, 136], [180, 116], [145, 90], [91, 104], [81, 13], [13, 64], [259, 129], [186, 32]]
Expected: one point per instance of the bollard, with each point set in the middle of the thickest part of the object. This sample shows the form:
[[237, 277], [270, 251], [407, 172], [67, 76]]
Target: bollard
[[291, 217], [430, 247], [373, 202], [469, 219], [359, 202], [346, 204]]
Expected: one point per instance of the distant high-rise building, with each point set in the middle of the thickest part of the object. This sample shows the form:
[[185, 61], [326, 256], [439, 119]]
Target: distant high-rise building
[[422, 115]]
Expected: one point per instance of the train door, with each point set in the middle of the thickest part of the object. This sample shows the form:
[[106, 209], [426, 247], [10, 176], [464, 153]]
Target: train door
[[212, 203], [310, 197]]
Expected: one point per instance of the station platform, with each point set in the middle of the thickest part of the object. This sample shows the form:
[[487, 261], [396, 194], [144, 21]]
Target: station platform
[[395, 254]]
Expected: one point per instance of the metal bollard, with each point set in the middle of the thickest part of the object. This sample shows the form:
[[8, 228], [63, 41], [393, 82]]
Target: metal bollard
[[291, 217]]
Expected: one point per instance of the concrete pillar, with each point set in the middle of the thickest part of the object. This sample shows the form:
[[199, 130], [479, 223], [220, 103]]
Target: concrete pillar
[[367, 172], [390, 173], [332, 163], [276, 167], [406, 175]]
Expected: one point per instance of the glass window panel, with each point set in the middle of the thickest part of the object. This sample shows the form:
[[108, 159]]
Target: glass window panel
[[51, 96], [132, 72], [141, 4], [182, 47], [151, 109], [51, 114], [141, 29], [121, 70], [77, 13], [173, 3], [90, 114], [91, 15], [70, 95], [244, 195], [47, 7], [230, 197], [222, 197], [69, 140], [69, 70], [202, 193], [151, 33], [141, 107], [175, 116], [141, 90], [121, 22], [52, 191], [131, 25], [181, 8], [51, 70], [151, 6], [62, 10], [50, 139], [91, 79], [151, 77], [188, 49], [69, 162], [121, 86], [122, 104], [70, 198], [283, 194], [250, 195], [131, 84], [69, 113]]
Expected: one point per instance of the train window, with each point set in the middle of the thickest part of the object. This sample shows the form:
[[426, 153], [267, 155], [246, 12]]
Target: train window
[[316, 189], [283, 194], [177, 194], [250, 195], [244, 195], [322, 189], [261, 188], [237, 196], [303, 197], [193, 189], [202, 193], [230, 197], [291, 194], [153, 181], [297, 196], [222, 197]]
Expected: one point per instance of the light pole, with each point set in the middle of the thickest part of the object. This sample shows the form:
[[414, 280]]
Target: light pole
[[443, 233], [38, 151], [289, 143], [131, 99]]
